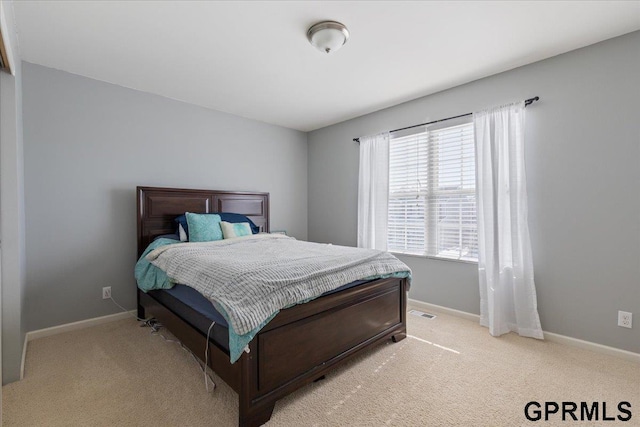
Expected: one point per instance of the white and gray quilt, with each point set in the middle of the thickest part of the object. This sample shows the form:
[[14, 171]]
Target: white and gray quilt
[[253, 277]]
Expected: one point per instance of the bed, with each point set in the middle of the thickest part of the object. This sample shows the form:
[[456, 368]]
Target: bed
[[326, 331]]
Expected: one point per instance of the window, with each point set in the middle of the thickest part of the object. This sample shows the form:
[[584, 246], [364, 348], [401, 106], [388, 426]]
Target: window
[[432, 193]]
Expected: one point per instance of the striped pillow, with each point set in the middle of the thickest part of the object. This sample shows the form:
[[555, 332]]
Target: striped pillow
[[238, 229]]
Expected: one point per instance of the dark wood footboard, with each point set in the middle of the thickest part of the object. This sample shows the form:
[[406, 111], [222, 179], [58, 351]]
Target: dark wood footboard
[[301, 344]]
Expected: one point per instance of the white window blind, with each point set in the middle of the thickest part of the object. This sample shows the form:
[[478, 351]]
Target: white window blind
[[432, 194]]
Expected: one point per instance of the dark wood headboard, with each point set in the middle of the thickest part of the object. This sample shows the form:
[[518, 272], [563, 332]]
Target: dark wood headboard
[[158, 207]]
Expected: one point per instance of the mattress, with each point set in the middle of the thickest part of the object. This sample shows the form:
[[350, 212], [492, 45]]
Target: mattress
[[198, 311]]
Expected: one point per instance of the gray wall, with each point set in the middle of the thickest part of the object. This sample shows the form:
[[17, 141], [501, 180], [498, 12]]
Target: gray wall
[[88, 144], [583, 171], [12, 216]]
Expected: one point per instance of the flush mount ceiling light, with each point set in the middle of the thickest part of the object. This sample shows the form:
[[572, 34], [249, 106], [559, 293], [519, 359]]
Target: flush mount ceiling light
[[328, 36]]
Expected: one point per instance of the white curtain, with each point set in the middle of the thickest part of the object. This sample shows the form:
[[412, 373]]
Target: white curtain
[[373, 191], [507, 290]]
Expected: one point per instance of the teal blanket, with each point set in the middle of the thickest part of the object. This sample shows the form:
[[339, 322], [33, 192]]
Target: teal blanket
[[148, 276]]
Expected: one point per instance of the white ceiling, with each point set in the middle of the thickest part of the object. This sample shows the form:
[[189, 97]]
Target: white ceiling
[[252, 59]]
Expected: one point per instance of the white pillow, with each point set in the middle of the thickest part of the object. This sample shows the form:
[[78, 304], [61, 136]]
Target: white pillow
[[183, 234], [237, 229]]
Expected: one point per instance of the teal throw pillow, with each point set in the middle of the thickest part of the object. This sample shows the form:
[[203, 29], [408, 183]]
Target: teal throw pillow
[[203, 227]]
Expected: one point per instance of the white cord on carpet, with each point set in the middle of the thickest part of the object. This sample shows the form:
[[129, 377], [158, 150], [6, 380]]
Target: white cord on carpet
[[206, 360], [155, 330], [127, 311]]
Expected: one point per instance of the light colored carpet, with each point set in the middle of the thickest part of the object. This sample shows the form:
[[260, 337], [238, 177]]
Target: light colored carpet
[[452, 373]]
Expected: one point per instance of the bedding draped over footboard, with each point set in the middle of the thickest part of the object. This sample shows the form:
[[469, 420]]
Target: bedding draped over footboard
[[250, 279]]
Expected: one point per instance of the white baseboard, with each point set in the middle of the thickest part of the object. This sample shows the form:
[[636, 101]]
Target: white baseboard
[[446, 310], [24, 355], [592, 346], [68, 327], [549, 336], [74, 326]]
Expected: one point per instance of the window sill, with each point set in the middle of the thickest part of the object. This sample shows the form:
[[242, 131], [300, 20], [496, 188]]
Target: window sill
[[463, 261]]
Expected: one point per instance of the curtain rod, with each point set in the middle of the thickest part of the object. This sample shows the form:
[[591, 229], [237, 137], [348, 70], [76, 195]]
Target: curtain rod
[[526, 102]]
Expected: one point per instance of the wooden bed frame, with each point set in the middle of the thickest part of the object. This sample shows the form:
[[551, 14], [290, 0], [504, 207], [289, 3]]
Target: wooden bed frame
[[302, 342]]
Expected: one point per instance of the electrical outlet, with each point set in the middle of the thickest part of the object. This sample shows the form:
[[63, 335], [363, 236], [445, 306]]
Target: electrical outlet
[[106, 292], [625, 319]]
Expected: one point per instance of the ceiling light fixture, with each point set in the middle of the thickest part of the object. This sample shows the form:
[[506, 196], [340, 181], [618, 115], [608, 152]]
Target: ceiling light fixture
[[328, 36]]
